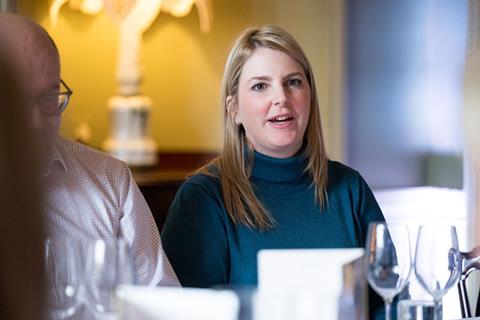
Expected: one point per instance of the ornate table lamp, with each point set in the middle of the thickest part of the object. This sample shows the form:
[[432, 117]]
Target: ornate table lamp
[[129, 110]]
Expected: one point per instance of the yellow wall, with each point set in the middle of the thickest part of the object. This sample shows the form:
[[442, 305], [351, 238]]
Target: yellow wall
[[183, 67]]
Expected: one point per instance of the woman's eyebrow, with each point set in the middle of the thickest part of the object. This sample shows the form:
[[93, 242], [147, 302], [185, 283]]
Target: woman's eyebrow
[[256, 78], [296, 73]]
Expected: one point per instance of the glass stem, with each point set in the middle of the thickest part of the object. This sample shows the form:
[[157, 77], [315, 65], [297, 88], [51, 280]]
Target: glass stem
[[388, 307], [438, 309]]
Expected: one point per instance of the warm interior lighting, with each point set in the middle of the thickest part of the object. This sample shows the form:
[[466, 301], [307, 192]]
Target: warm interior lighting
[[119, 8], [178, 8], [92, 6], [129, 109]]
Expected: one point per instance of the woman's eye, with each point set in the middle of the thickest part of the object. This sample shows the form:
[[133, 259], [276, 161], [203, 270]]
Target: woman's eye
[[259, 86], [294, 82]]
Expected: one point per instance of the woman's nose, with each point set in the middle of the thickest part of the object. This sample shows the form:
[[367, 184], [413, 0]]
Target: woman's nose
[[280, 95]]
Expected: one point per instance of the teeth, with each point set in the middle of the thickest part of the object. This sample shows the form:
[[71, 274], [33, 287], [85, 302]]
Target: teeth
[[282, 118]]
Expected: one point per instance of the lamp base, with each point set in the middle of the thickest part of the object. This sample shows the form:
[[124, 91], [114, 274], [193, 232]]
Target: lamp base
[[128, 139]]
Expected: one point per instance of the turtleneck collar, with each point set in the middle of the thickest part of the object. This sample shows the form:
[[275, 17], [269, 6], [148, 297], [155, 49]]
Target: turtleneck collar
[[279, 170]]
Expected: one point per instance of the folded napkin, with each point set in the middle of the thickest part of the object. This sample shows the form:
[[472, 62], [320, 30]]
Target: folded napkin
[[305, 284], [164, 303]]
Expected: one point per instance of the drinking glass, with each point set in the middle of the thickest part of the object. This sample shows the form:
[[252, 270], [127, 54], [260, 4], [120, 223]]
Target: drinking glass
[[108, 265], [415, 310], [437, 261], [63, 277], [388, 260]]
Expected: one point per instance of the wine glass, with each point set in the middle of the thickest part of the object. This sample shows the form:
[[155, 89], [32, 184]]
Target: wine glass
[[108, 265], [63, 277], [437, 261], [388, 260]]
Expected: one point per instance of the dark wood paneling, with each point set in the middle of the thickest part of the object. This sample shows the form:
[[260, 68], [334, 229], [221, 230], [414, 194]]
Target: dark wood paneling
[[159, 183]]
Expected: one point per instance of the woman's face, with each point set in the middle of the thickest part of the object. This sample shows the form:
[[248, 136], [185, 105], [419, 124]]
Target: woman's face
[[273, 102]]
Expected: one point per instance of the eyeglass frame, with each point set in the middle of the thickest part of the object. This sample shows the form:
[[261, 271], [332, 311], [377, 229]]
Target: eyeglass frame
[[67, 95], [61, 105]]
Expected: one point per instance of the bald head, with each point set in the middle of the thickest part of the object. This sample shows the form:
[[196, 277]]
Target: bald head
[[34, 58], [27, 44]]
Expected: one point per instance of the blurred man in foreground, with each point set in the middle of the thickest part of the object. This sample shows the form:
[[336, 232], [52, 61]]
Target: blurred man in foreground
[[22, 294], [89, 195]]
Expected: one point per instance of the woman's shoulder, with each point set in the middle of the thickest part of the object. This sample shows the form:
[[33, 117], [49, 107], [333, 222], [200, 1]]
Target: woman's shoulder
[[343, 176], [205, 178], [202, 179], [198, 192], [338, 170]]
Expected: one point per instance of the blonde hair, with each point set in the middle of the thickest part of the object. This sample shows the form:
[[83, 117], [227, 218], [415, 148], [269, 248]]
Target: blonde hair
[[234, 165]]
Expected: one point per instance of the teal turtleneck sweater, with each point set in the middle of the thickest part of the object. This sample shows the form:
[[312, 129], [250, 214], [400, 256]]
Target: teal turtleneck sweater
[[205, 248]]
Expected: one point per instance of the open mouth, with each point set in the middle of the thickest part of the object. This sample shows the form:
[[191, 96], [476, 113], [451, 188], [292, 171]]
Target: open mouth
[[281, 119]]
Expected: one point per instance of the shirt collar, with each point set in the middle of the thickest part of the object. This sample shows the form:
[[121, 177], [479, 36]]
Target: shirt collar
[[54, 159]]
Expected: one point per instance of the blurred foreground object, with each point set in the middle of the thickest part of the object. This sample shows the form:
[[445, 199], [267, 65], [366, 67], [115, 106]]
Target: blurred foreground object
[[472, 117], [472, 138], [147, 303], [21, 265], [307, 284]]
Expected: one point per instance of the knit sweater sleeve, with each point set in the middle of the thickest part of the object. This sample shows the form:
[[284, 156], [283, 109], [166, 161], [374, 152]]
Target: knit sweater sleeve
[[368, 209], [348, 186], [194, 236]]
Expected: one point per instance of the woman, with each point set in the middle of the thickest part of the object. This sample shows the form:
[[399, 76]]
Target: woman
[[272, 186]]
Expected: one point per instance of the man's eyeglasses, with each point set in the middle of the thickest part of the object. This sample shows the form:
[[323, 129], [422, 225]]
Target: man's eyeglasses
[[55, 103]]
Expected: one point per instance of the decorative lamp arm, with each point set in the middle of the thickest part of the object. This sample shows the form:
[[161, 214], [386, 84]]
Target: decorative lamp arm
[[205, 15], [54, 10], [132, 27]]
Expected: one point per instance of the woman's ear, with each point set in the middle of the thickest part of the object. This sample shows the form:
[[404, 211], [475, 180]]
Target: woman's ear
[[229, 102], [232, 110]]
